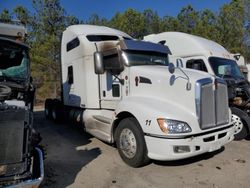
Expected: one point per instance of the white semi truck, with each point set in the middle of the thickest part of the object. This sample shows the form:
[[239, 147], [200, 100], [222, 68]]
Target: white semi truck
[[204, 55], [244, 67], [125, 92]]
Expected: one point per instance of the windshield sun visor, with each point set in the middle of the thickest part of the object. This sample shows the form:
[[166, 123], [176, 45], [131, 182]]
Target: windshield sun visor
[[144, 46]]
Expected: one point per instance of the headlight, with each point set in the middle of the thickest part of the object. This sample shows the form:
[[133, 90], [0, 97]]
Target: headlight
[[172, 126]]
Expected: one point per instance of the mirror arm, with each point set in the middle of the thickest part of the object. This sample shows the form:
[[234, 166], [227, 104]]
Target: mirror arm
[[183, 73], [187, 78], [119, 79]]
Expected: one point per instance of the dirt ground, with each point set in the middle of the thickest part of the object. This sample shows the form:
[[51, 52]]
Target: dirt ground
[[76, 159]]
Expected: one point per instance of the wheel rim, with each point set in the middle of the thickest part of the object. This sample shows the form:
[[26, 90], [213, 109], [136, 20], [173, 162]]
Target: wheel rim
[[54, 114], [128, 143], [47, 112], [238, 124]]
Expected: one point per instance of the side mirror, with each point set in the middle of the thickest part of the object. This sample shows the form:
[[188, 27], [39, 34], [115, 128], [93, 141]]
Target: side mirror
[[98, 60], [179, 63], [171, 68]]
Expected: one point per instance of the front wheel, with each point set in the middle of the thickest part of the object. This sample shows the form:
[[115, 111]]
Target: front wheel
[[240, 131], [130, 143]]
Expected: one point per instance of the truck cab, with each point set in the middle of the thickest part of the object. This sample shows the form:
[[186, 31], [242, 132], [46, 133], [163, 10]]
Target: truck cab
[[124, 91], [202, 55], [21, 160]]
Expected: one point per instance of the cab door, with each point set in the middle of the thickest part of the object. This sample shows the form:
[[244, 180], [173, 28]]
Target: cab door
[[110, 86]]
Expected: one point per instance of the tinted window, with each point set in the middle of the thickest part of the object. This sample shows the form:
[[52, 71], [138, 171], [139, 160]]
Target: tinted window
[[73, 44], [225, 67], [70, 75], [14, 61], [97, 38], [135, 58], [196, 64]]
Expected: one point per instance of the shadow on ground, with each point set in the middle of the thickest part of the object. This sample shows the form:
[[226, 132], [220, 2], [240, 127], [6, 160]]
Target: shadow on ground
[[66, 151]]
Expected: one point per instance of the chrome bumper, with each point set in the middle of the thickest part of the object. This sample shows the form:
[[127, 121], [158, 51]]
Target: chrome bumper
[[33, 183]]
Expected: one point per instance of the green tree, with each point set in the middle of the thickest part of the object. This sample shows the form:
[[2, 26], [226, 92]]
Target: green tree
[[131, 22], [170, 23], [5, 16], [188, 19], [207, 26], [152, 22], [48, 23], [96, 20], [72, 20], [231, 26], [22, 14], [246, 50]]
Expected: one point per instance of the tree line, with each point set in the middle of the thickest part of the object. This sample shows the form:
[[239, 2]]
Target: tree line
[[230, 27]]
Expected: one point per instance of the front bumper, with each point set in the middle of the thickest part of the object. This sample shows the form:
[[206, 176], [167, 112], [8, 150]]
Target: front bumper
[[33, 183], [160, 148]]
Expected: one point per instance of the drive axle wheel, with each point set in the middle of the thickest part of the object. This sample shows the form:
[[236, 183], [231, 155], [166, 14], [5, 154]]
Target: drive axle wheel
[[48, 108], [131, 143], [56, 111], [240, 131], [5, 92]]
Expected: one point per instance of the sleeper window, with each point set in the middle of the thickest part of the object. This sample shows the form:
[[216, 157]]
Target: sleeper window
[[197, 64], [73, 44]]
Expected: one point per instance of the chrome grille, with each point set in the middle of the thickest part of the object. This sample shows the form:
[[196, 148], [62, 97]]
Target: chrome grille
[[211, 104], [221, 98]]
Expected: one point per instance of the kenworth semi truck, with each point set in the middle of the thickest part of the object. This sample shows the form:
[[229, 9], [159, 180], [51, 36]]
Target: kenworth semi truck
[[21, 160], [204, 55], [126, 92]]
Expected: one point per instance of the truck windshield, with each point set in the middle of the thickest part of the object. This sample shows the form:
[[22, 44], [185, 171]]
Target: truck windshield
[[14, 61], [225, 67], [135, 58]]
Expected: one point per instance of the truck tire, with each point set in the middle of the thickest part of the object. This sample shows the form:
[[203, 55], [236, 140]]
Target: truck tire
[[5, 92], [57, 111], [48, 108], [240, 128], [130, 143]]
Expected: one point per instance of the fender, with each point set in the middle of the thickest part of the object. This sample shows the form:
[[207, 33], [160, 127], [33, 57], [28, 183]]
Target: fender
[[146, 110], [243, 115]]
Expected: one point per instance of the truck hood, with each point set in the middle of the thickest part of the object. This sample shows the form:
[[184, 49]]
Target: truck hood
[[156, 82]]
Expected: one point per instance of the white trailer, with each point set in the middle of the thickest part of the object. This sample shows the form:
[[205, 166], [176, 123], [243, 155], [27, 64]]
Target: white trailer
[[204, 55], [125, 92]]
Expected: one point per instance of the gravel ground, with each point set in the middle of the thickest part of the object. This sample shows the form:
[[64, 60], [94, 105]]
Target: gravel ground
[[76, 159]]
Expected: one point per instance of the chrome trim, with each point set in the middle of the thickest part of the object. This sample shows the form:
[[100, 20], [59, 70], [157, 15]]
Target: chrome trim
[[190, 135], [221, 81], [33, 183], [198, 86]]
